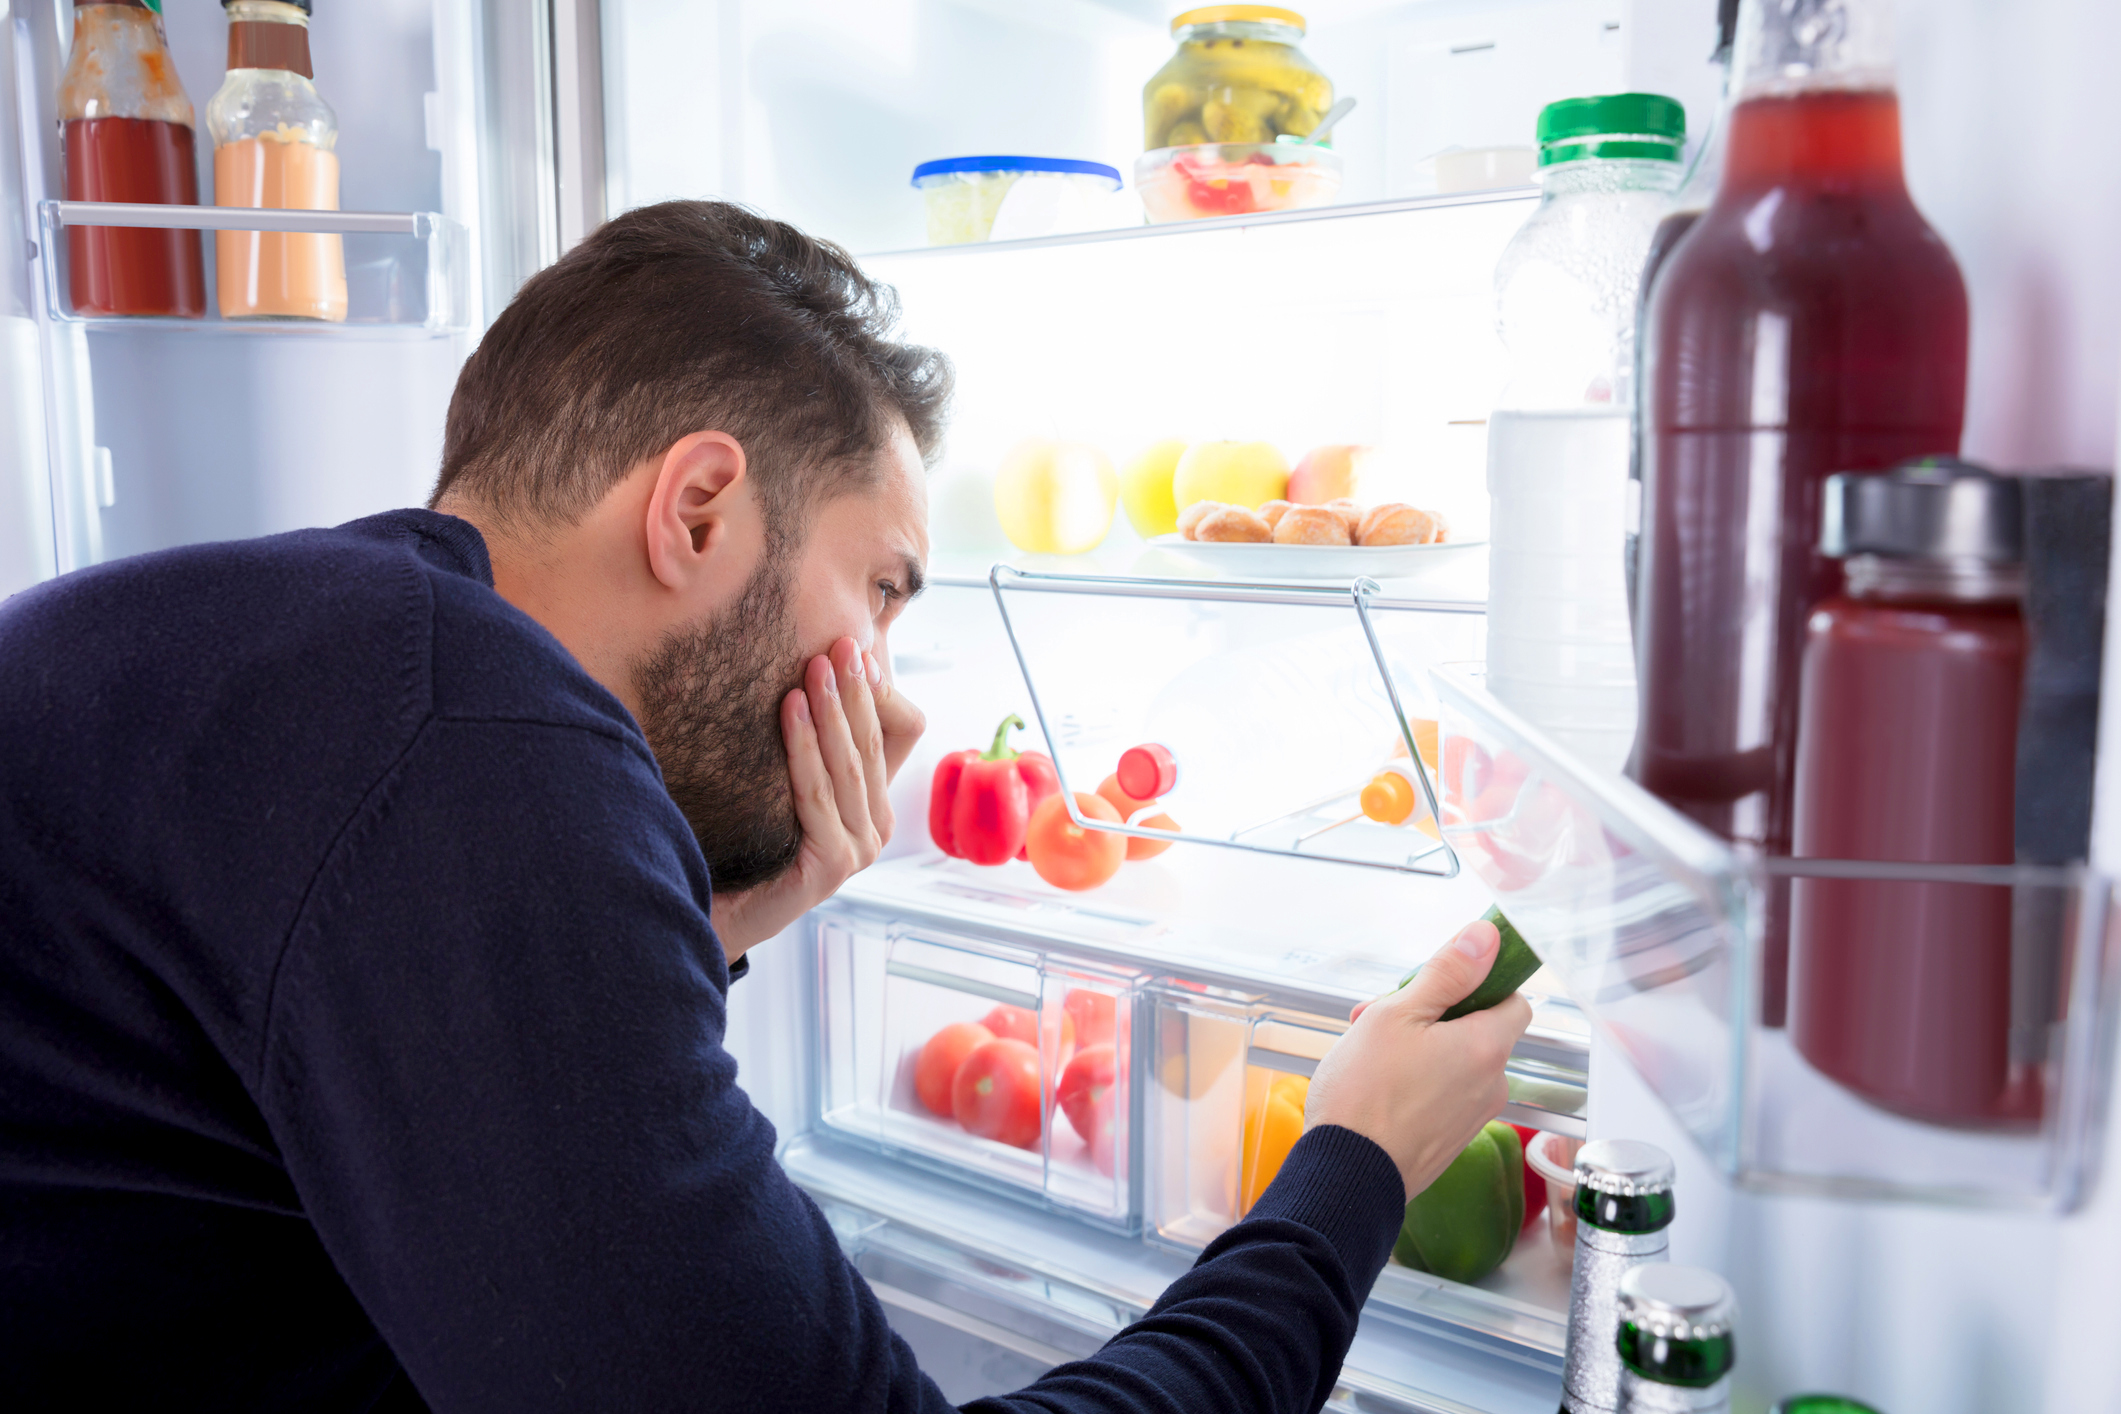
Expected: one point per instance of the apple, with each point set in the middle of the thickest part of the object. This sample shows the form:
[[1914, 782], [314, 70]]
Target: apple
[[1055, 498], [1330, 474], [1145, 489], [1247, 474]]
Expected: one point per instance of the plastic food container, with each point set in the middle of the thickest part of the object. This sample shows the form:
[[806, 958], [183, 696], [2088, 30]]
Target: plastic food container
[[1234, 179], [1553, 1158], [1012, 198], [1237, 77]]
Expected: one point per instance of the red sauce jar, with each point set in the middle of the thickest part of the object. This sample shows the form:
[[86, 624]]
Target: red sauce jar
[[1907, 752]]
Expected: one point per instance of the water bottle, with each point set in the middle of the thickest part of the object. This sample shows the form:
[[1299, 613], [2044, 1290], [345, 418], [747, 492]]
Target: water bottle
[[1559, 650]]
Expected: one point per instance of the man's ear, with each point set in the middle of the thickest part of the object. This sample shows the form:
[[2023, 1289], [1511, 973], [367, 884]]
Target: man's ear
[[690, 506]]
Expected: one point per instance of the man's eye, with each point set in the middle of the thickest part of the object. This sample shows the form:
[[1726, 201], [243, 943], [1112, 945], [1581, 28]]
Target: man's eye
[[889, 590]]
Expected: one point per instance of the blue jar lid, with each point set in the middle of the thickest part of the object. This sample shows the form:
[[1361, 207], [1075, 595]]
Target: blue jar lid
[[944, 166]]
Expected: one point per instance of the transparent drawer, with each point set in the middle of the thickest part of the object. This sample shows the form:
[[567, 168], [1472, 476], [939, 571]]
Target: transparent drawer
[[1653, 926], [1005, 1065], [1279, 704]]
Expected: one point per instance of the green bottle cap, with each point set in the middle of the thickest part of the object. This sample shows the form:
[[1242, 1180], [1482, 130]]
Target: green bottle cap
[[1675, 1325], [1821, 1404], [1624, 1186], [1612, 126]]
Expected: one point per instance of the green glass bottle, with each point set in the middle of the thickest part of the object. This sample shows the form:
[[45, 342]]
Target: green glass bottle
[[1821, 1404], [1675, 1345], [1623, 1206]]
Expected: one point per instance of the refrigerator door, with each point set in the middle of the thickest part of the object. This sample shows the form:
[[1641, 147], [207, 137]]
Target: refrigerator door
[[124, 435]]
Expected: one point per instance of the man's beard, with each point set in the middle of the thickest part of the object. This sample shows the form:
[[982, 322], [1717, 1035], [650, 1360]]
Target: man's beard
[[710, 698]]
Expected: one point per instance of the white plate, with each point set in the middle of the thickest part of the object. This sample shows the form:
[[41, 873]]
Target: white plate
[[1342, 562]]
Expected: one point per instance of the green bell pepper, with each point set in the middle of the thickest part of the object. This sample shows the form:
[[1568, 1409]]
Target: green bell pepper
[[1463, 1225]]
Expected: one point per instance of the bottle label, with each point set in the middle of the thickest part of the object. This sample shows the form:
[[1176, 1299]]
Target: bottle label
[[267, 44], [1590, 1376]]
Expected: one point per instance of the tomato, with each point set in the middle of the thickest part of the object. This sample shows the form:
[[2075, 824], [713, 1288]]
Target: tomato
[[1116, 797], [1086, 1093], [1065, 854], [937, 1067], [995, 1094], [1096, 1016], [1014, 1023]]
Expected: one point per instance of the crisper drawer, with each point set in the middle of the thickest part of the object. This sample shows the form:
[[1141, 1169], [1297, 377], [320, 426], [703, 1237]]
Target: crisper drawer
[[1005, 1065], [1224, 1107]]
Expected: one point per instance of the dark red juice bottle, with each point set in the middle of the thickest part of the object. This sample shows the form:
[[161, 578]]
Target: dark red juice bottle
[[127, 133], [1907, 752], [1810, 323]]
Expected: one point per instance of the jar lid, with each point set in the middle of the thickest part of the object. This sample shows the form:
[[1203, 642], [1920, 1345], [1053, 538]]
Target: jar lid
[[1938, 508], [1626, 1167], [1611, 126], [944, 166], [1673, 1302], [1239, 14]]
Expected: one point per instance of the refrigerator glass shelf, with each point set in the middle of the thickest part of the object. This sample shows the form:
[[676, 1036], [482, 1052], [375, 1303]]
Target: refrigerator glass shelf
[[407, 273], [1280, 703], [1652, 925]]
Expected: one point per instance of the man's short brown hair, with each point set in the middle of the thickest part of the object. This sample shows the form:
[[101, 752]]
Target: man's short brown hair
[[680, 318]]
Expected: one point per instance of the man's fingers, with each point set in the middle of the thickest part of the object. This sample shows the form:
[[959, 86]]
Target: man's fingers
[[902, 722], [835, 739], [807, 776], [852, 665], [1451, 975]]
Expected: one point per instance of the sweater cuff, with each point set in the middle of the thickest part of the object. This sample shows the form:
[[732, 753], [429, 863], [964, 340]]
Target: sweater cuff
[[1346, 1188]]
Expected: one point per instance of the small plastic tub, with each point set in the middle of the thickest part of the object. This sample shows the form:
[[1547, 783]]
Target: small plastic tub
[[1553, 1158], [1235, 179], [972, 199]]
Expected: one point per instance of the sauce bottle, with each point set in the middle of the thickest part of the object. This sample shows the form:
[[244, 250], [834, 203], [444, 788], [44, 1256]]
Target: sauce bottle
[[1907, 751], [126, 127], [1810, 323], [273, 139]]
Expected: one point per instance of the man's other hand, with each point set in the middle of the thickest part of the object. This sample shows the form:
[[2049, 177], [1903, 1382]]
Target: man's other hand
[[846, 731], [1420, 1087]]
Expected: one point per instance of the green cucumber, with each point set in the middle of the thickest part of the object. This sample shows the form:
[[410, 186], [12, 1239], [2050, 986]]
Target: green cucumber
[[1514, 962]]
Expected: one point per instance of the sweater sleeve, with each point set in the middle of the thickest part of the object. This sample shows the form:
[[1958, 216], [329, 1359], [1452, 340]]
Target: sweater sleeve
[[494, 1068]]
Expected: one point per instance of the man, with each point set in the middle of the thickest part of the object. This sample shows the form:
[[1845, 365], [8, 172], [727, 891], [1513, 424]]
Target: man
[[370, 898]]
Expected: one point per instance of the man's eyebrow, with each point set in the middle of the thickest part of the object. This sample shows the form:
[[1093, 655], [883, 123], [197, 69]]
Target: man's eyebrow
[[916, 578]]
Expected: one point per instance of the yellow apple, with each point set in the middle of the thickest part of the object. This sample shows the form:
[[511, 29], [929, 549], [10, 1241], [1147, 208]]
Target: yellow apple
[[1329, 474], [1247, 474], [1055, 498], [1145, 489]]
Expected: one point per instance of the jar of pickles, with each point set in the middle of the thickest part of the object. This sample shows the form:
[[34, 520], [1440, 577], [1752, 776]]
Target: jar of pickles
[[1237, 77]]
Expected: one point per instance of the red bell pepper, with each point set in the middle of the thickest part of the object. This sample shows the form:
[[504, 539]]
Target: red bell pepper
[[980, 802]]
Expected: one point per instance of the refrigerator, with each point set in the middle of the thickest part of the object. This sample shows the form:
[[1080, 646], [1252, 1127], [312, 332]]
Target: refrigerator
[[1919, 1270]]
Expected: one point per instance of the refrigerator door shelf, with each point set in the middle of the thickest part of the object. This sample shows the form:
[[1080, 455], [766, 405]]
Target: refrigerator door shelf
[[407, 273], [1041, 1287], [1049, 1117], [1652, 925]]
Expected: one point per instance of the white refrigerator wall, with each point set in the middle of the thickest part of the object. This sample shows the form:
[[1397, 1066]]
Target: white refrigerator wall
[[27, 548]]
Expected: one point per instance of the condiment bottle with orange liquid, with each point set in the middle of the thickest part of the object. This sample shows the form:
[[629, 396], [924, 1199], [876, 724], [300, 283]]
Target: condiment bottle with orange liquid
[[273, 139]]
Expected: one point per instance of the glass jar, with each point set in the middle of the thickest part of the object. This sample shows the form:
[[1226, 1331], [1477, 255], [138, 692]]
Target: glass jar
[[1237, 77], [126, 127], [274, 137]]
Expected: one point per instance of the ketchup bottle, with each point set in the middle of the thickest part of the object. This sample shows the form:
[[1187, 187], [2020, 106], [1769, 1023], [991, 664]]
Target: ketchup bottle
[[127, 133], [1907, 752], [1810, 323]]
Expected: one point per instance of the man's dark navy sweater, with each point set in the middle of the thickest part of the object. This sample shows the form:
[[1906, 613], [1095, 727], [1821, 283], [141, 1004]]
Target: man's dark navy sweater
[[361, 1039]]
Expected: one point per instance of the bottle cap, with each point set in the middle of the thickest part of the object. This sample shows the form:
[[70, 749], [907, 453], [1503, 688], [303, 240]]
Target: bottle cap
[[1148, 771], [1612, 126], [302, 5], [1626, 1168], [1938, 508], [1239, 14], [1672, 1302], [1821, 1404]]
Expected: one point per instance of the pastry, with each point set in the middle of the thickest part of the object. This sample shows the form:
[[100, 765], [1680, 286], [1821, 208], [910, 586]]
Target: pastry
[[1311, 525], [1348, 511], [1271, 512], [1191, 516], [1397, 523], [1233, 525]]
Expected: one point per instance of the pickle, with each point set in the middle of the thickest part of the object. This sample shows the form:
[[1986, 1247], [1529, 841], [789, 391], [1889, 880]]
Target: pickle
[[1293, 117], [1239, 115], [1186, 134], [1514, 962], [1169, 105]]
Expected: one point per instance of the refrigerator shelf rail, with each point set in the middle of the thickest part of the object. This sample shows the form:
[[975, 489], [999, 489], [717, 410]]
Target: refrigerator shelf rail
[[1653, 925], [1292, 768], [390, 296]]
